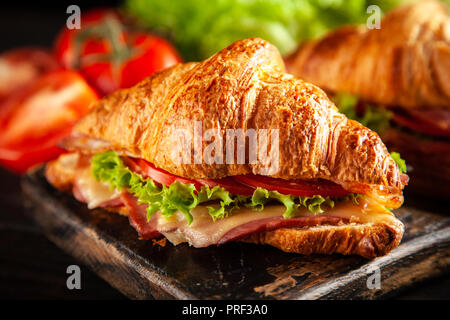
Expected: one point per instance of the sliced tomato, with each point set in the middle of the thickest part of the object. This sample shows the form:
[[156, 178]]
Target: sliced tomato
[[229, 184], [295, 187], [33, 121], [242, 185], [160, 176]]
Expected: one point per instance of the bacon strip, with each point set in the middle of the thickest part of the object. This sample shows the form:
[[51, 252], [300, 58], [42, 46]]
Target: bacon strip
[[117, 202], [138, 217], [431, 122]]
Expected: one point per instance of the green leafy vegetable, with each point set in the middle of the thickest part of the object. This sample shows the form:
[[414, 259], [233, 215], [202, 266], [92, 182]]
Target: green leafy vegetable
[[262, 196], [354, 197], [227, 203], [400, 162], [200, 28], [109, 167], [374, 118], [314, 203]]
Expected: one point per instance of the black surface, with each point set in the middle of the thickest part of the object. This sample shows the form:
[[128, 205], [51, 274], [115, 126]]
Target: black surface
[[30, 265]]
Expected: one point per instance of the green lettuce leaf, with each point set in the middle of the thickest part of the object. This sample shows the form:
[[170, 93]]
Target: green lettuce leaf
[[353, 197], [400, 162], [109, 167], [201, 28], [227, 203], [314, 204], [262, 196]]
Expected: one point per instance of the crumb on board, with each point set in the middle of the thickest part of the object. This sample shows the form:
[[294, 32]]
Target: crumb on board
[[162, 242]]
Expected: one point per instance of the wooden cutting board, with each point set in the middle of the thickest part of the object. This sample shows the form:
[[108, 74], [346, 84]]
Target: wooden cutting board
[[143, 269]]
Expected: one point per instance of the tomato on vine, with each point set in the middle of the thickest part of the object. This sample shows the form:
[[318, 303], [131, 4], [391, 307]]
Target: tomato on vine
[[111, 54]]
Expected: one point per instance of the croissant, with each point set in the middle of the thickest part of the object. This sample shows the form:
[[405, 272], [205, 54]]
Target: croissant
[[404, 63], [245, 86]]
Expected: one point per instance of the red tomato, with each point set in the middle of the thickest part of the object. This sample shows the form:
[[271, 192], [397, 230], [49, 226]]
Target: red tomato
[[36, 118], [160, 176], [243, 185], [19, 67], [294, 187], [109, 55]]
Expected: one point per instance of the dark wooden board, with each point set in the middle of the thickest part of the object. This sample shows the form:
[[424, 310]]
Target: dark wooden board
[[32, 267], [141, 269]]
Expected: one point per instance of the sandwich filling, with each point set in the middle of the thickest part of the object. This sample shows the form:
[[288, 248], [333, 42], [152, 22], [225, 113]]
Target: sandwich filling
[[204, 212], [422, 137]]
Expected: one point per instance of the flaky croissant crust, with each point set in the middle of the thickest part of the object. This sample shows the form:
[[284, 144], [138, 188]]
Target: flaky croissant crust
[[404, 63], [367, 240], [241, 87]]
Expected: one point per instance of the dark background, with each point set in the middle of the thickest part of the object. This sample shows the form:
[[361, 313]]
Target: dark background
[[32, 267]]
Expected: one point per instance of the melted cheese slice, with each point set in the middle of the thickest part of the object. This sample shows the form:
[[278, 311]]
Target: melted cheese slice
[[93, 191]]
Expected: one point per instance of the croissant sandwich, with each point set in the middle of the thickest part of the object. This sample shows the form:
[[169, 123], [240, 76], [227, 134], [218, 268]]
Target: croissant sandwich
[[177, 155], [396, 80]]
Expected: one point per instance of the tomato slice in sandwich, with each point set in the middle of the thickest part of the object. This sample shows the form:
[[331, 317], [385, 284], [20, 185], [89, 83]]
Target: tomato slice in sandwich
[[229, 184], [242, 185], [295, 187], [160, 176]]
